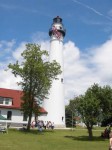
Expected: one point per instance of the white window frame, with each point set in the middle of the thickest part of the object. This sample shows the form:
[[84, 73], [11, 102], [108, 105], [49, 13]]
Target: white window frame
[[6, 101]]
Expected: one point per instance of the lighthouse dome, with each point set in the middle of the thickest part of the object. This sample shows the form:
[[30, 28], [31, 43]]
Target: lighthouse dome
[[57, 25]]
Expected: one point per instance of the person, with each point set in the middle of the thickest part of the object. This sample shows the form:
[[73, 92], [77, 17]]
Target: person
[[33, 124], [105, 133], [49, 125], [45, 125], [40, 125], [110, 141], [52, 125]]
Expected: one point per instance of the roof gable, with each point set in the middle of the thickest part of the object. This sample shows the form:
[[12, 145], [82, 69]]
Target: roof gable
[[15, 95]]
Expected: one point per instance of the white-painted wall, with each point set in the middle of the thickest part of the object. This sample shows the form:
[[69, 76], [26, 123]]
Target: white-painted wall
[[17, 115]]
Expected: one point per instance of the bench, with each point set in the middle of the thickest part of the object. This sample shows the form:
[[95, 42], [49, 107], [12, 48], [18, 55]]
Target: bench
[[3, 129]]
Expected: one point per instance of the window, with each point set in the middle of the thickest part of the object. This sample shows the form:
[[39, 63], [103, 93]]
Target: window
[[9, 115], [1, 100], [62, 80], [7, 101]]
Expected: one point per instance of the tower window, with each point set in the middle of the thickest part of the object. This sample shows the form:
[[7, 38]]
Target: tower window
[[62, 80], [62, 118]]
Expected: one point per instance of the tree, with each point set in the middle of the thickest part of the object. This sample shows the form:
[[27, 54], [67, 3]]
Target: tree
[[106, 105], [70, 116], [37, 74], [91, 105], [106, 102]]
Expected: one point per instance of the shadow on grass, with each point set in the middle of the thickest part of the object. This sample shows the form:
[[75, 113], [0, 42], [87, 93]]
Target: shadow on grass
[[34, 132], [85, 138]]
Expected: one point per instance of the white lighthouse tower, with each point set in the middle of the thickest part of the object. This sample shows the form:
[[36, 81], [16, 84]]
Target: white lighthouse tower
[[54, 105]]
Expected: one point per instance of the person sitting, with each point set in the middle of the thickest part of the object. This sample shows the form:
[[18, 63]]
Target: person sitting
[[52, 125], [110, 141], [33, 124]]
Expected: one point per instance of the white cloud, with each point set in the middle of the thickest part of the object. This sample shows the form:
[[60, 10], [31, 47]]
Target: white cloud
[[6, 47], [38, 37], [103, 61], [7, 80], [17, 52], [7, 44], [82, 69], [45, 45]]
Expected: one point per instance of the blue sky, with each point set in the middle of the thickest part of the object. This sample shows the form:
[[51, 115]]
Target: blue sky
[[88, 22], [87, 45]]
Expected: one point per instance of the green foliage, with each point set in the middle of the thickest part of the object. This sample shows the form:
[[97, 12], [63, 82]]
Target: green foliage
[[106, 102], [37, 74], [93, 106], [90, 106], [70, 117]]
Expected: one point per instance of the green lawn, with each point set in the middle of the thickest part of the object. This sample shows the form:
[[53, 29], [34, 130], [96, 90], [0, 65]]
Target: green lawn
[[52, 140]]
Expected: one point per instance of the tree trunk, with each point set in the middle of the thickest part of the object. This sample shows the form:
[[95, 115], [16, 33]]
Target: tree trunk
[[90, 133], [29, 122], [30, 115], [31, 100]]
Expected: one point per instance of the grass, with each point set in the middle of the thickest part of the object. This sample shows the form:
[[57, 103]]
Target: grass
[[52, 140]]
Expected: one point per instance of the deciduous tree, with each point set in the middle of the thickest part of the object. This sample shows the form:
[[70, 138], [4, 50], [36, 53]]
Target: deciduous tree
[[36, 74], [93, 106]]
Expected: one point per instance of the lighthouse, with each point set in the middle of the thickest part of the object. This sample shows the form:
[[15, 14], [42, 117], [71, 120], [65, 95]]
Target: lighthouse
[[55, 105]]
